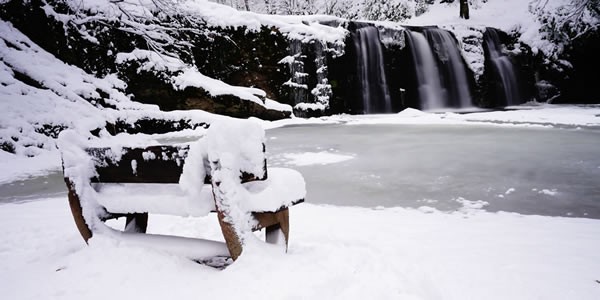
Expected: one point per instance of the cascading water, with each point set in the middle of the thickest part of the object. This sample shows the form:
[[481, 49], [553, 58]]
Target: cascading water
[[503, 69], [374, 90], [430, 89], [442, 80]]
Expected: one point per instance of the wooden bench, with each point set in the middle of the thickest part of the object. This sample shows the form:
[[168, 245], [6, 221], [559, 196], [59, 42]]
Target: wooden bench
[[164, 164]]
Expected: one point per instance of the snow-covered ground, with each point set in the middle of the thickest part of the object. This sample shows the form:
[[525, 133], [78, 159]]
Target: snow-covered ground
[[335, 253]]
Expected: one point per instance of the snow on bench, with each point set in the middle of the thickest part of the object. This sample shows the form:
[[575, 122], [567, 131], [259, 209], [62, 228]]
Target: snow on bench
[[268, 195], [224, 171]]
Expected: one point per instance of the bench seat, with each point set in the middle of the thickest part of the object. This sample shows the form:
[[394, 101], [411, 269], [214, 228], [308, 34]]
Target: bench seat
[[283, 187]]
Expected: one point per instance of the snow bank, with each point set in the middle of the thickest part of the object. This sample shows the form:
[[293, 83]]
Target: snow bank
[[546, 115]]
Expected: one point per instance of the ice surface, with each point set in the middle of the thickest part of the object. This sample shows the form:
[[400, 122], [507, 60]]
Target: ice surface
[[410, 165], [313, 158]]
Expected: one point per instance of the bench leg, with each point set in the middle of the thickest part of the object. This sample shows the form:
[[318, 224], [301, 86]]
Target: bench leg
[[76, 211], [234, 245], [136, 223], [277, 226]]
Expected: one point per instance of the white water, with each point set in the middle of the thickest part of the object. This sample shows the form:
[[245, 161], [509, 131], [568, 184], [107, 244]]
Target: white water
[[504, 68], [371, 72], [448, 53], [431, 93]]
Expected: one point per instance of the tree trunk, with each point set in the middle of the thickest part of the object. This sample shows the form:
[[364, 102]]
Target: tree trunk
[[248, 6], [464, 9]]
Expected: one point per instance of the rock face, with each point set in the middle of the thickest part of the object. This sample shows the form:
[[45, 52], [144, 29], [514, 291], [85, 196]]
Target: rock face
[[314, 76], [246, 58], [576, 77], [508, 77], [236, 56]]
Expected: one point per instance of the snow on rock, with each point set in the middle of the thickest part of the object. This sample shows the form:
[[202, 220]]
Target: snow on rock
[[186, 76], [470, 41], [191, 77], [272, 104], [311, 106], [304, 28]]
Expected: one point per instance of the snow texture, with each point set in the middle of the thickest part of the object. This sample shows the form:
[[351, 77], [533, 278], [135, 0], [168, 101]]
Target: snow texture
[[380, 253]]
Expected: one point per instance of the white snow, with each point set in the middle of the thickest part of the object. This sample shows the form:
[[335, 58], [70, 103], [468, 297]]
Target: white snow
[[191, 77], [311, 106], [334, 253], [549, 192], [315, 158], [535, 115], [168, 199], [506, 15]]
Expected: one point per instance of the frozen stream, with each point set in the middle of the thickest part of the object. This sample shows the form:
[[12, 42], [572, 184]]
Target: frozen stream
[[524, 170], [447, 167]]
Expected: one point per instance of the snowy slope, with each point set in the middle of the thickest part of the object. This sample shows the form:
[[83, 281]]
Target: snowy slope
[[62, 96]]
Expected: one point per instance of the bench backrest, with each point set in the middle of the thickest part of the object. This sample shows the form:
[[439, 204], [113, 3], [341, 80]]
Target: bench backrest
[[154, 164]]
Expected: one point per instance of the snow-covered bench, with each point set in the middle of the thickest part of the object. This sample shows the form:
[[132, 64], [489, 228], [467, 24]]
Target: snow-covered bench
[[225, 171]]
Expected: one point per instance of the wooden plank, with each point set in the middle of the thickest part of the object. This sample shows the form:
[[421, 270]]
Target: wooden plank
[[136, 223], [76, 211], [165, 166]]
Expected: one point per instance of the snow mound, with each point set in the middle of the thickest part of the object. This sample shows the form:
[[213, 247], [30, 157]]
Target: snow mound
[[315, 158]]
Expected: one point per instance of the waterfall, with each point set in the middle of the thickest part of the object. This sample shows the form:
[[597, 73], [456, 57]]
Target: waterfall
[[429, 88], [374, 91], [503, 68], [442, 80], [452, 67]]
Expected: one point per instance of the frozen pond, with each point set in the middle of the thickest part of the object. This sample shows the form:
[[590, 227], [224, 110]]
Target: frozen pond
[[448, 167]]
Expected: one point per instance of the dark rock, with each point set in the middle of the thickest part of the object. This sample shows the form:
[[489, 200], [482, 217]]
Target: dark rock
[[196, 98]]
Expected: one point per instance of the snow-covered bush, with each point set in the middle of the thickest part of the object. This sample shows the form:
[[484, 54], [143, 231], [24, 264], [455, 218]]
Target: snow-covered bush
[[381, 10], [565, 22], [377, 10]]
